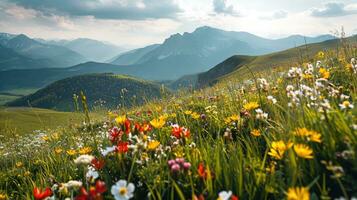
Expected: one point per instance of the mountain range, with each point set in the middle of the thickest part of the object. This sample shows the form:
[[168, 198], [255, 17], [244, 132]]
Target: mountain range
[[93, 50], [195, 52]]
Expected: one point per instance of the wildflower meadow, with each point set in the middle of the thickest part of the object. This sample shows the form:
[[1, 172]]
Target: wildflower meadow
[[287, 133]]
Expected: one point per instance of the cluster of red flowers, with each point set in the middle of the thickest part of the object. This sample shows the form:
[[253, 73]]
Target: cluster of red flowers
[[180, 132], [94, 192]]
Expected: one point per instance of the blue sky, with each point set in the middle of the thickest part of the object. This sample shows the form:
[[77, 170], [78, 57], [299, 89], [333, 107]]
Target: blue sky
[[135, 23]]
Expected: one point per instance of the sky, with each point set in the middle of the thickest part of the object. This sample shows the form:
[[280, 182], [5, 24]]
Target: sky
[[136, 23]]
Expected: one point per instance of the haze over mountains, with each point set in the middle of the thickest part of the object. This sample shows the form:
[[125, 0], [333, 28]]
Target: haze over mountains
[[31, 63]]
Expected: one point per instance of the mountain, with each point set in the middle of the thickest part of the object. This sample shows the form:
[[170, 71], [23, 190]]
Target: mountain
[[53, 55], [100, 89], [9, 59], [195, 52], [94, 50], [38, 78], [133, 56], [240, 67]]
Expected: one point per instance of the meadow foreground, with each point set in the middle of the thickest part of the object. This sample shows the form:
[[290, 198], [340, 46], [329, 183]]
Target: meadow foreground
[[282, 134]]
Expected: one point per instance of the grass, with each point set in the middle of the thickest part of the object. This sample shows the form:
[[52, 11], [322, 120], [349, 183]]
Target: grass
[[232, 137], [22, 121]]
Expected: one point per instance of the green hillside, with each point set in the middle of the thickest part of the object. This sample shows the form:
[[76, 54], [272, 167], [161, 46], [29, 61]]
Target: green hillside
[[101, 90], [240, 67]]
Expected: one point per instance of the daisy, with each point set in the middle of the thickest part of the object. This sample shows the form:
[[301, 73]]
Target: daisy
[[122, 190], [224, 195]]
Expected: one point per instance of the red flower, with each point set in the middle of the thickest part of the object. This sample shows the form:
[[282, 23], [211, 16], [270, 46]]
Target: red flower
[[98, 164], [127, 126], [94, 193], [122, 147], [114, 134], [203, 172], [180, 132], [40, 195], [234, 197]]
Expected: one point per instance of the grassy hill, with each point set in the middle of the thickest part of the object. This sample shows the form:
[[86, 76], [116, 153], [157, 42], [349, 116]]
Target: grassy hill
[[19, 121], [240, 67], [101, 90]]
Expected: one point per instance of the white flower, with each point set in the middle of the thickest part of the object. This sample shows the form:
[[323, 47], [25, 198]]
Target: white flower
[[224, 195], [346, 104], [92, 174], [261, 114], [123, 191], [84, 159], [108, 150], [272, 99], [70, 185]]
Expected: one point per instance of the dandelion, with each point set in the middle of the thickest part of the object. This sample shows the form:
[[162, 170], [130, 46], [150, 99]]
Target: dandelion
[[345, 105], [71, 152], [58, 150], [195, 115], [320, 55], [303, 151], [278, 149], [85, 150], [84, 159], [19, 164], [298, 193], [120, 119], [152, 145], [122, 190], [251, 106], [157, 123], [324, 73], [255, 132]]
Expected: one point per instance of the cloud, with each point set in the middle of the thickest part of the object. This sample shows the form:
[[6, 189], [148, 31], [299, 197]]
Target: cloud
[[105, 9], [280, 14], [222, 7], [334, 9]]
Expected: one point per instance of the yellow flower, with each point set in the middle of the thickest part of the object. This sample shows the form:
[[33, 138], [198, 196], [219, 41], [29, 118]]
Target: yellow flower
[[173, 115], [157, 123], [19, 164], [324, 73], [320, 55], [303, 151], [251, 105], [85, 150], [302, 132], [120, 119], [278, 149], [255, 132], [188, 112], [45, 138], [298, 193], [195, 115], [315, 136], [153, 145], [58, 150], [71, 152], [349, 67], [234, 117], [309, 134], [27, 173], [3, 196], [164, 117]]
